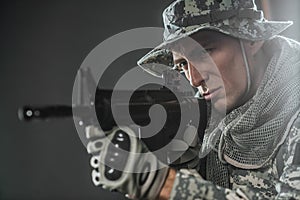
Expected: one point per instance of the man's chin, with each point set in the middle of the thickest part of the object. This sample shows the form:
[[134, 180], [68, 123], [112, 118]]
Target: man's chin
[[219, 105]]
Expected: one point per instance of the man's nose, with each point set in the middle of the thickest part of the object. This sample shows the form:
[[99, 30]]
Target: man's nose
[[195, 77]]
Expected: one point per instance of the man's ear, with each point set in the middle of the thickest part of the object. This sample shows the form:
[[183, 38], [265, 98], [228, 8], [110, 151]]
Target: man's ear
[[254, 47]]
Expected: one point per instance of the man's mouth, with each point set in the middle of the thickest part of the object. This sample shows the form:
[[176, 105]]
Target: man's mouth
[[206, 92]]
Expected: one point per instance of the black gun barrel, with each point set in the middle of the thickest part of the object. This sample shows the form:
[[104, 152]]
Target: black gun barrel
[[28, 113], [138, 110]]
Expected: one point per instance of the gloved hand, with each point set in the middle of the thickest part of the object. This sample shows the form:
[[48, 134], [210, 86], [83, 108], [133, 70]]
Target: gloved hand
[[123, 163]]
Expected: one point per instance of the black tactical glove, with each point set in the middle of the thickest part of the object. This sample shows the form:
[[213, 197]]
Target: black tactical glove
[[123, 163]]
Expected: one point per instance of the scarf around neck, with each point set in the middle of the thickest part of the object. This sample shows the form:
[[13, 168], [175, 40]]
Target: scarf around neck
[[251, 134]]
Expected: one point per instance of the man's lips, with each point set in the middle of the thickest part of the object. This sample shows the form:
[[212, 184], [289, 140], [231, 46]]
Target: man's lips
[[210, 93]]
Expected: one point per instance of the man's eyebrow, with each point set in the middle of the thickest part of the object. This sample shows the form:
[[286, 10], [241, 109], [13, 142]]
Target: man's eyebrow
[[176, 61], [206, 40]]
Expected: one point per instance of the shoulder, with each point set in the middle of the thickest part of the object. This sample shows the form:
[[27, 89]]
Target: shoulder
[[292, 142], [289, 152], [289, 181], [282, 46], [293, 128], [284, 41]]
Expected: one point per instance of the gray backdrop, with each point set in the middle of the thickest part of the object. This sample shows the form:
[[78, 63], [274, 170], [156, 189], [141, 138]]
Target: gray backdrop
[[42, 45]]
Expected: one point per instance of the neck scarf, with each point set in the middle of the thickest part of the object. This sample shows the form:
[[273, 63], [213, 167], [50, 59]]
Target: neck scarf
[[251, 134]]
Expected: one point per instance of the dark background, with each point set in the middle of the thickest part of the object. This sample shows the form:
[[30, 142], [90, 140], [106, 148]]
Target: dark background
[[43, 43]]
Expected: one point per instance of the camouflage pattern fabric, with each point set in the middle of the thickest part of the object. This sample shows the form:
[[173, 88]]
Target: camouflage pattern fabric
[[288, 186], [237, 18], [279, 177], [263, 183], [157, 62]]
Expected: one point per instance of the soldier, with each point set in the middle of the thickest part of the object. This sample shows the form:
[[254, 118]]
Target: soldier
[[240, 64]]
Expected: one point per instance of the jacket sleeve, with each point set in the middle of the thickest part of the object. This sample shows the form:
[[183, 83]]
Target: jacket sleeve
[[190, 185], [288, 186]]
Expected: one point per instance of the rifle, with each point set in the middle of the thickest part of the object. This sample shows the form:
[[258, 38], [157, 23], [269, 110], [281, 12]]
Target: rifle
[[173, 100]]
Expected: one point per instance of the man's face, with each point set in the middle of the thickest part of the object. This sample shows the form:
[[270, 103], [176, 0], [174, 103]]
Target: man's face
[[219, 72]]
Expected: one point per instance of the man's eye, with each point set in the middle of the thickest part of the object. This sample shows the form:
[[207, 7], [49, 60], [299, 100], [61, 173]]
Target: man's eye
[[182, 65]]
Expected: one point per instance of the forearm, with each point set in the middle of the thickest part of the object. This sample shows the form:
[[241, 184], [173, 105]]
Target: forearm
[[167, 188]]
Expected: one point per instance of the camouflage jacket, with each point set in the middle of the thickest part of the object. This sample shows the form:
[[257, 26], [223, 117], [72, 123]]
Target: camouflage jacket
[[280, 179]]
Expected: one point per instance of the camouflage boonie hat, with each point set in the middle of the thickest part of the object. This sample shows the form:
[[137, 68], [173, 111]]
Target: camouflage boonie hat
[[237, 18]]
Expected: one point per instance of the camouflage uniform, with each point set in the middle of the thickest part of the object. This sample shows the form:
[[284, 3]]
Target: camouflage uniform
[[269, 182], [278, 174]]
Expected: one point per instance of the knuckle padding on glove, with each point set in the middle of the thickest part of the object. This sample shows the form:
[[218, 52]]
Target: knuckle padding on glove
[[119, 143]]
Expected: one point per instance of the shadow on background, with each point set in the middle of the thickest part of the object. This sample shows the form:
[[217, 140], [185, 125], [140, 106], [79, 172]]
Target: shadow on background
[[43, 43]]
